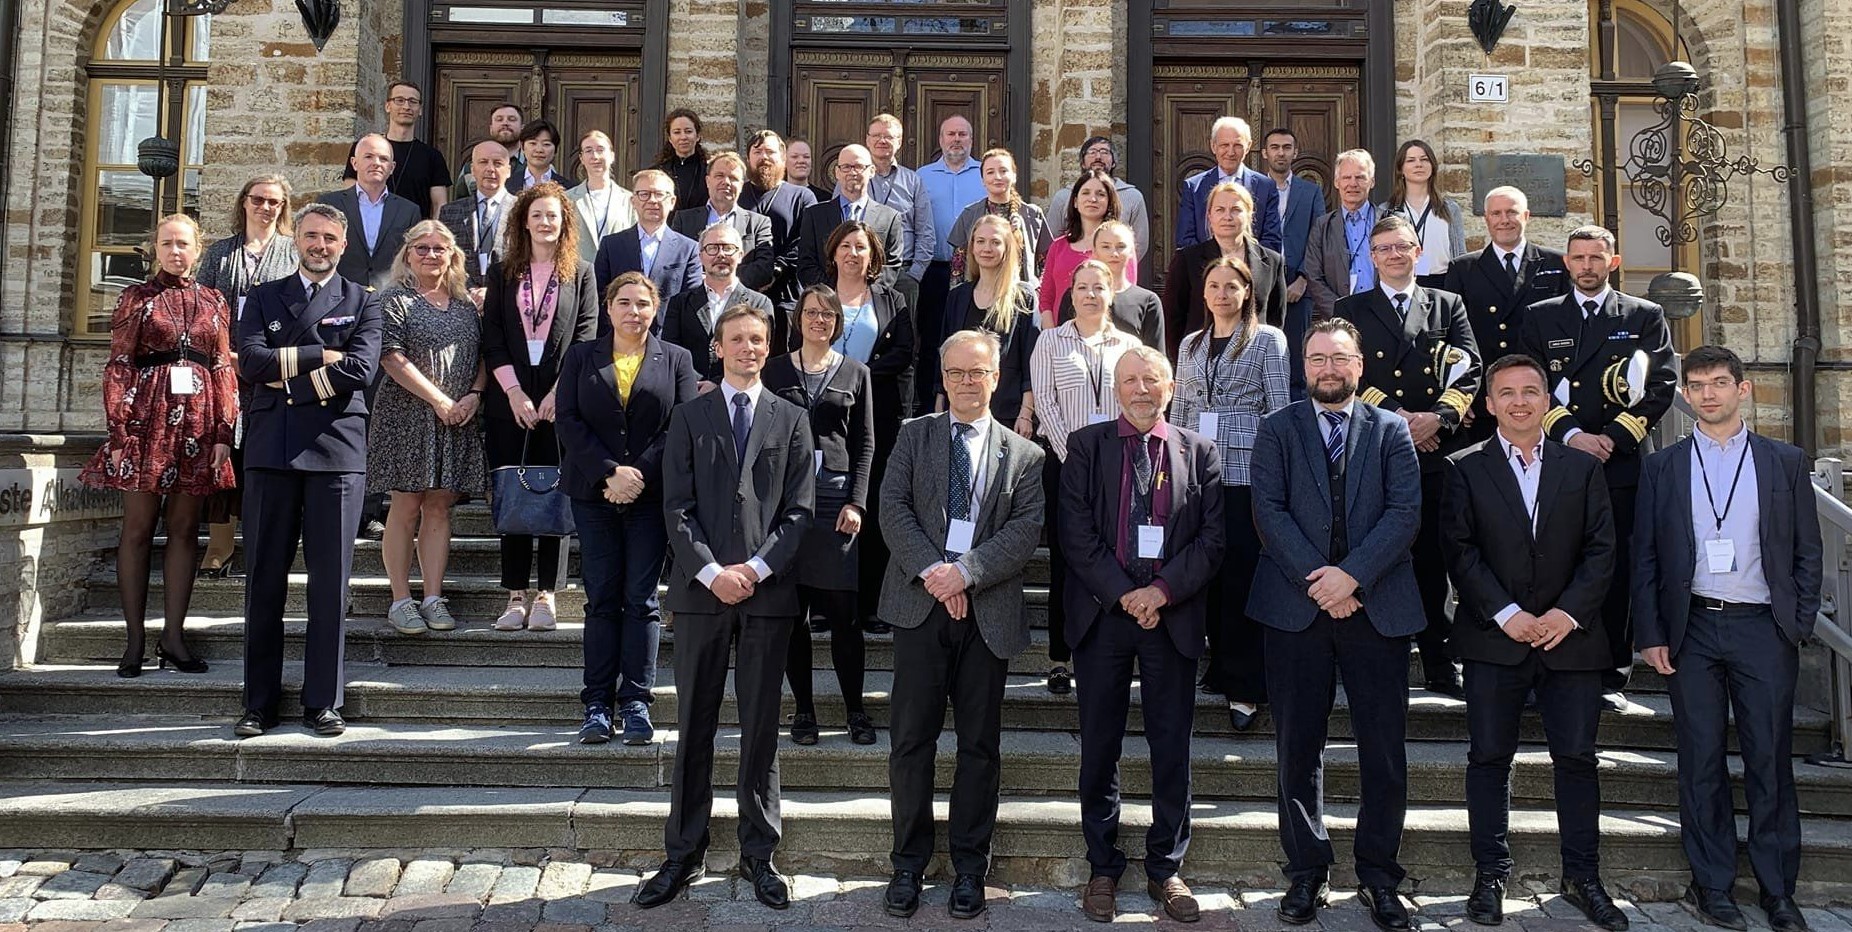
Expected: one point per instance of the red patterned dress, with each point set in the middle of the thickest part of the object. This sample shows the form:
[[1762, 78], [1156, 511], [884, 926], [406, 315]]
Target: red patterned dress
[[166, 438]]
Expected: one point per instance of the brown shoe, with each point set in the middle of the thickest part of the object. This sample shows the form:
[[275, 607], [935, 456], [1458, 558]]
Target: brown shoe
[[1098, 899], [1175, 897]]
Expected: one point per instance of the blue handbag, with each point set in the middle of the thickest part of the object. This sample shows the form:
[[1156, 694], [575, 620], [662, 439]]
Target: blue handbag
[[527, 499]]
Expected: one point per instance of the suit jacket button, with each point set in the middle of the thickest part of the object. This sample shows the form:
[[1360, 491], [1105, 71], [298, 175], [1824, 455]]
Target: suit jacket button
[[1494, 309], [1614, 358], [1398, 373], [1575, 407], [1430, 391], [1398, 393], [1575, 384], [1500, 326], [1501, 344], [1379, 354], [1426, 371]]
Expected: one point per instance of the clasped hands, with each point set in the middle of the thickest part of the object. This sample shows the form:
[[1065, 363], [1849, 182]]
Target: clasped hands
[[1334, 590], [1424, 428], [1545, 631], [1600, 446], [456, 412], [734, 584], [1143, 604], [623, 486], [525, 412], [946, 582]]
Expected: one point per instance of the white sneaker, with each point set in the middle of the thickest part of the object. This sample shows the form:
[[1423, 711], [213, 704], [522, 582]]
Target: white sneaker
[[540, 617], [513, 619]]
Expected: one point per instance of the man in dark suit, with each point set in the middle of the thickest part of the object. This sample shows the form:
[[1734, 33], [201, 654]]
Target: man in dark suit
[[852, 203], [737, 492], [671, 260], [1726, 584], [1142, 533], [1420, 363], [477, 221], [1301, 203], [1229, 139], [726, 179], [376, 218], [688, 321], [961, 511], [1529, 536], [1337, 502], [1337, 251], [1611, 375], [784, 203], [309, 347], [1498, 282]]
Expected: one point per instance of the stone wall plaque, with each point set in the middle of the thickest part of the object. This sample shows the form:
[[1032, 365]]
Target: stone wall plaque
[[33, 495], [1540, 177]]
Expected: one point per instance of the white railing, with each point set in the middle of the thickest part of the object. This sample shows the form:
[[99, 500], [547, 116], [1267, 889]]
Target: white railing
[[1833, 626]]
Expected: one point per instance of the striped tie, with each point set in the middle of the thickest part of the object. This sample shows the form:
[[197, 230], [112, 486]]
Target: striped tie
[[1334, 444]]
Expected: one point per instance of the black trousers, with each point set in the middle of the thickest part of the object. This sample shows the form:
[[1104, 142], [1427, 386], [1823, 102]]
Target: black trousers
[[1735, 665], [701, 645], [1569, 702], [946, 659], [322, 510], [848, 648], [504, 448], [1059, 651], [1617, 608], [929, 321], [1167, 695], [1237, 648], [1431, 580], [1302, 676]]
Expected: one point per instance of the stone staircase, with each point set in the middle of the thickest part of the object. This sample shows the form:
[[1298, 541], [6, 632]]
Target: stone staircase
[[465, 740]]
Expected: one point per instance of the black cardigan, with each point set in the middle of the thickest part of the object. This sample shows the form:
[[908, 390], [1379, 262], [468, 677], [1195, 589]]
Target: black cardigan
[[842, 420], [504, 343]]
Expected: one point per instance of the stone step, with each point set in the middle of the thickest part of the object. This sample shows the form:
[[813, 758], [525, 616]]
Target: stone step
[[140, 748], [1037, 840], [99, 636], [535, 695]]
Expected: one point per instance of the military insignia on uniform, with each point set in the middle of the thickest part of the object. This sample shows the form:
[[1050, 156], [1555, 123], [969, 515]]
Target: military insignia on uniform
[[1451, 364], [275, 326], [1556, 365], [1624, 383]]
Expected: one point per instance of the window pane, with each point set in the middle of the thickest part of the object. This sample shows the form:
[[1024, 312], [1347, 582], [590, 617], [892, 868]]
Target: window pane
[[201, 46], [124, 208], [1638, 51], [137, 33], [125, 116], [1639, 240], [195, 125], [189, 193], [109, 274]]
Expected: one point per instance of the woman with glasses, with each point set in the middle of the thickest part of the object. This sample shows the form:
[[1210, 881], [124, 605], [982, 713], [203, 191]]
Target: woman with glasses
[[262, 250], [423, 445], [601, 204], [1232, 373], [836, 390]]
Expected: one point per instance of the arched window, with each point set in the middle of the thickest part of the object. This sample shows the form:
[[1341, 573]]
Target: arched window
[[138, 45]]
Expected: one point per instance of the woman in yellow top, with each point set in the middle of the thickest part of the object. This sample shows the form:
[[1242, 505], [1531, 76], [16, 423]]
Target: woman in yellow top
[[614, 399]]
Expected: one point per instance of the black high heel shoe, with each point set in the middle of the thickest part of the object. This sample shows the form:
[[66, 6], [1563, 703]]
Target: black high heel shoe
[[184, 665], [129, 669], [222, 571]]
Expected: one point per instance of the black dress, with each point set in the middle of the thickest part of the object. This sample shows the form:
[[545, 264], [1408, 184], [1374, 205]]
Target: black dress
[[842, 421]]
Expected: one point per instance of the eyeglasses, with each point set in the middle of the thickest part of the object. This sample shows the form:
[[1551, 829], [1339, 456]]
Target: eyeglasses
[[1322, 360], [720, 249], [264, 201], [404, 101], [852, 169], [1393, 249], [654, 195], [1722, 384], [819, 313], [424, 250], [967, 375]]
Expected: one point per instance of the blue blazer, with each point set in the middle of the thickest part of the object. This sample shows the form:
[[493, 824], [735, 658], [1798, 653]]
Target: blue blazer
[[1292, 512], [678, 267], [600, 433], [318, 421], [1665, 550], [1193, 205], [1305, 203]]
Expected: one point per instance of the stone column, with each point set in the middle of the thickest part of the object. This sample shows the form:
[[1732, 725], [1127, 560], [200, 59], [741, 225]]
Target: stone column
[[1077, 72], [704, 71]]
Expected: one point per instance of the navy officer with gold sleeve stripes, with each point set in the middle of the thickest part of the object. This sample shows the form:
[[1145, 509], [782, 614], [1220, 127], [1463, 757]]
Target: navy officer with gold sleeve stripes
[[308, 345], [1419, 361], [1609, 356]]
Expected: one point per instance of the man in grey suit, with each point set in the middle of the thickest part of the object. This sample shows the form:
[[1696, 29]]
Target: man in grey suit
[[961, 508], [376, 218], [1337, 501], [737, 494], [1337, 252]]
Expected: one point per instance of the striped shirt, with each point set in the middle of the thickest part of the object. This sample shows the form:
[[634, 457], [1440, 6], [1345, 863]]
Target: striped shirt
[[1238, 389], [1073, 380]]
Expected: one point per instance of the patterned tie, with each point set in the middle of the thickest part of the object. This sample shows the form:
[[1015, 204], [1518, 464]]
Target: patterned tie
[[958, 490], [742, 425], [650, 245], [1334, 444], [1141, 570], [855, 213], [1511, 267], [1401, 306]]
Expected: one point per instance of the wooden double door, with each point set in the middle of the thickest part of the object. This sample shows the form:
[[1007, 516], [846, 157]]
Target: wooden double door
[[834, 93], [575, 91], [1319, 102]]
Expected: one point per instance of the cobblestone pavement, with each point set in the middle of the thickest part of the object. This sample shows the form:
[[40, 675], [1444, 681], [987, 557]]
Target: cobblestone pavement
[[571, 891]]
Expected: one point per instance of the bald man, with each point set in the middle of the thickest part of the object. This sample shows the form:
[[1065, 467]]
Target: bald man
[[376, 218]]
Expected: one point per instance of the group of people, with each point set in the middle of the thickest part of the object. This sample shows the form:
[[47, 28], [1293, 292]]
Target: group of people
[[863, 407]]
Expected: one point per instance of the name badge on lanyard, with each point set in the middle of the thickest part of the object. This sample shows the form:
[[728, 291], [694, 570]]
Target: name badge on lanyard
[[1150, 542], [534, 349], [182, 380], [1720, 555], [958, 535]]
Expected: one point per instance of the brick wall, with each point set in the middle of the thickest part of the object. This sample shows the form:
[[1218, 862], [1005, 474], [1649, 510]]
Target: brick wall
[[1077, 75]]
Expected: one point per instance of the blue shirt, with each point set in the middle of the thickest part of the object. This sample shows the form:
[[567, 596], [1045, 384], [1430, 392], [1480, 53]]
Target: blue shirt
[[1742, 517], [372, 215], [859, 330], [949, 193], [1357, 225], [901, 189]]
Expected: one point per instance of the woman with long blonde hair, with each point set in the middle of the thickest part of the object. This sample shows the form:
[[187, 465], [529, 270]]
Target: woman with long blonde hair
[[993, 297]]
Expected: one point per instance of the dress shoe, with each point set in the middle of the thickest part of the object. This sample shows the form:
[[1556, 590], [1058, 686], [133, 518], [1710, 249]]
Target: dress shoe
[[324, 722], [903, 894], [668, 881], [1239, 718], [252, 724], [861, 728], [1716, 908], [183, 664], [1386, 909], [1783, 914], [129, 669], [768, 886], [1447, 685], [1302, 901], [1060, 682], [1174, 895], [1099, 899], [1209, 686], [1588, 896], [1486, 905], [804, 729], [967, 900], [1614, 701]]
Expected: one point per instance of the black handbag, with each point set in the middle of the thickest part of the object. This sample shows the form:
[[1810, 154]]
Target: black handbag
[[527, 499]]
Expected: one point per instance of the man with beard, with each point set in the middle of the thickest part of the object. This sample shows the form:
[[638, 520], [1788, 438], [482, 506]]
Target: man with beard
[[505, 124], [768, 193], [1301, 203], [308, 345], [1337, 502]]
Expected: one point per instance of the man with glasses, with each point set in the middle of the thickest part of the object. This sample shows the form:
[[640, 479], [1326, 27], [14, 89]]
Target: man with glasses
[[1420, 362], [1337, 502], [419, 172], [852, 202], [667, 258], [726, 181], [1098, 153], [688, 320], [899, 187]]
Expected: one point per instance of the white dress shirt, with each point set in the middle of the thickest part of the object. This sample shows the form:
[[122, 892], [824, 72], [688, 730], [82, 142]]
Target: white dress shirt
[[752, 392], [1408, 296], [1528, 475]]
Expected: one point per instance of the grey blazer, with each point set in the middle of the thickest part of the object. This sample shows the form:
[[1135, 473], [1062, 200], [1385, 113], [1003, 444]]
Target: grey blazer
[[1327, 263], [914, 524]]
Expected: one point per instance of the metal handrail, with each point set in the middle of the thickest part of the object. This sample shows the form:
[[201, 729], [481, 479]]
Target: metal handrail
[[1831, 624]]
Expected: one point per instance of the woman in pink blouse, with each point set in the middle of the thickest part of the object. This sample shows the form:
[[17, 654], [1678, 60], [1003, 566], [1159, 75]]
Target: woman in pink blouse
[[1093, 200]]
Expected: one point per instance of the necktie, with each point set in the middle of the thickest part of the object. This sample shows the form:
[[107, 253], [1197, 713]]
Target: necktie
[[1511, 266], [1590, 310], [650, 245], [855, 213], [1401, 306], [488, 212], [958, 490], [1139, 512], [315, 288], [1334, 444], [742, 425]]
